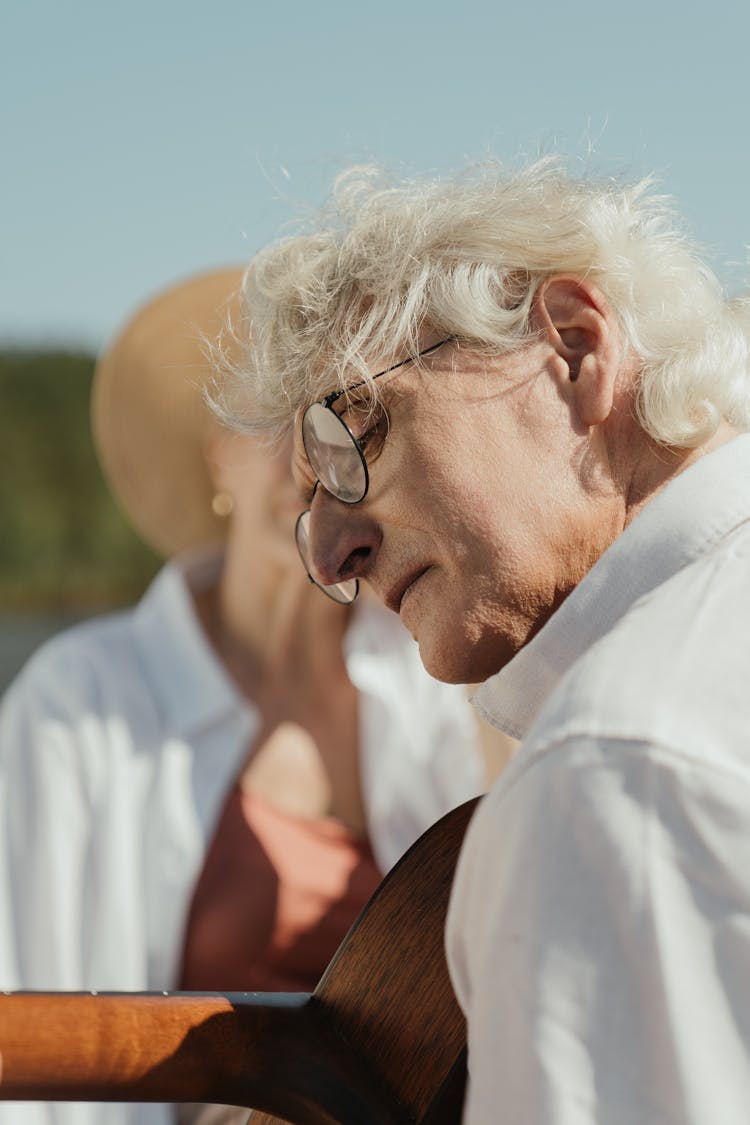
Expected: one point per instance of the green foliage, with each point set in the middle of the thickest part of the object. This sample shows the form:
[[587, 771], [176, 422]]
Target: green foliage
[[63, 541]]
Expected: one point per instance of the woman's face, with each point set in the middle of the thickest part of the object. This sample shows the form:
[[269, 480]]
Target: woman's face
[[265, 502]]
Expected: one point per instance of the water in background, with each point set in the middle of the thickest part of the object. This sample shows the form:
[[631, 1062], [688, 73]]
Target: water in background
[[22, 633]]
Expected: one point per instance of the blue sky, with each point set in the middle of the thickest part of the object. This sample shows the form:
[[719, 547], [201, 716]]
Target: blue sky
[[144, 140]]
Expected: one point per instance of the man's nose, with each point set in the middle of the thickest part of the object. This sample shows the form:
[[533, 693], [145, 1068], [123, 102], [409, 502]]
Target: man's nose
[[343, 540]]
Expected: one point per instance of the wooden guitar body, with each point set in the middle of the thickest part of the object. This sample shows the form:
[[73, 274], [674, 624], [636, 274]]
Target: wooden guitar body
[[381, 1040]]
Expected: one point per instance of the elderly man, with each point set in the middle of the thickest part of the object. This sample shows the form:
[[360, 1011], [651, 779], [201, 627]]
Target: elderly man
[[518, 401]]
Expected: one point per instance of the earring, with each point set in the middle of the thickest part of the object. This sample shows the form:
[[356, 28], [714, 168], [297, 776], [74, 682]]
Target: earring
[[222, 504]]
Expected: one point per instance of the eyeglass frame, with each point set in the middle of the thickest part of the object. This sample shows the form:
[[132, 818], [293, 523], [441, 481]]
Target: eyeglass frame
[[327, 402], [334, 396]]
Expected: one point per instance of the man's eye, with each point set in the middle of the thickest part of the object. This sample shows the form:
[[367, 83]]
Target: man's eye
[[369, 426]]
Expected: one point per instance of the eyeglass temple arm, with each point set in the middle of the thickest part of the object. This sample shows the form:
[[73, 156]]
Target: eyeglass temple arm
[[334, 396]]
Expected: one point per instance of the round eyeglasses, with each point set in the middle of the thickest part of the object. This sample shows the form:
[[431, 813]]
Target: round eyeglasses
[[343, 592], [337, 459], [334, 454]]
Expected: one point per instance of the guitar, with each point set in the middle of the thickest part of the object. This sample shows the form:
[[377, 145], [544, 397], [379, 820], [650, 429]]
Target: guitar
[[381, 1040]]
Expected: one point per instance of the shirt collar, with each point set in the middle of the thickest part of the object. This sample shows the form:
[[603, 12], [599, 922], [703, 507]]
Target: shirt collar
[[684, 521], [188, 677]]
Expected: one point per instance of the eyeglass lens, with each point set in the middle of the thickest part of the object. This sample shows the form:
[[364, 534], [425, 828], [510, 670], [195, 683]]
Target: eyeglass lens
[[344, 592], [333, 454]]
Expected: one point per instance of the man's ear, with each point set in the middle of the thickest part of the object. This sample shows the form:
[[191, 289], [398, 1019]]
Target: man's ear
[[581, 326]]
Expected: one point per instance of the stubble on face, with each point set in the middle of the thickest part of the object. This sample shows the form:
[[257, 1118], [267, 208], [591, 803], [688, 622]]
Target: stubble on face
[[491, 489]]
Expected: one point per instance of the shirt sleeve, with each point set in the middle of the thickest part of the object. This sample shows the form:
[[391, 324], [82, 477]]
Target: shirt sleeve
[[599, 940], [46, 858], [101, 833], [44, 829]]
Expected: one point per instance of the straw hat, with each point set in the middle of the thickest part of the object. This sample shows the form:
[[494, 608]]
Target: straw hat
[[148, 415]]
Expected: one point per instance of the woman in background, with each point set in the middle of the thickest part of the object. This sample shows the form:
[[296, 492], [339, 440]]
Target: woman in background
[[202, 792]]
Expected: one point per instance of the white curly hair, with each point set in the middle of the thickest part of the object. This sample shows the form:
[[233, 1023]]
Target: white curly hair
[[465, 256]]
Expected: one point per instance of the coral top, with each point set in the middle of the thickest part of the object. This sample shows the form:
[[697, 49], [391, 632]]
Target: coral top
[[275, 899]]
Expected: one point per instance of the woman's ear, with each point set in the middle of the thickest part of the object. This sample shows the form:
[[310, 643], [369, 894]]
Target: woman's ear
[[580, 325], [216, 443], [215, 449]]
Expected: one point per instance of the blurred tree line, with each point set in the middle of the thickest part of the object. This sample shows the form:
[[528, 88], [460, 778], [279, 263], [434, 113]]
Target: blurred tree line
[[63, 541]]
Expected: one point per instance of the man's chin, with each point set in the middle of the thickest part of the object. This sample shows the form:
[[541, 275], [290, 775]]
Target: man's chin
[[454, 667], [465, 664]]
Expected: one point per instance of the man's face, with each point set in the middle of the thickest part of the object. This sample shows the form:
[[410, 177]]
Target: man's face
[[488, 502]]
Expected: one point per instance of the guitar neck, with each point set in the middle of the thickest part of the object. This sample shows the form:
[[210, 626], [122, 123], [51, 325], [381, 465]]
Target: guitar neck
[[380, 1041], [270, 1051]]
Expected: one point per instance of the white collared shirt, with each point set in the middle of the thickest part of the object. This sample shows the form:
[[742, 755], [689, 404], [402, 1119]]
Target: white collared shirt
[[599, 926], [118, 744]]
